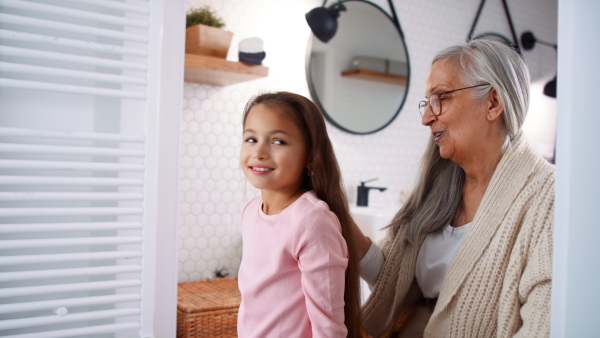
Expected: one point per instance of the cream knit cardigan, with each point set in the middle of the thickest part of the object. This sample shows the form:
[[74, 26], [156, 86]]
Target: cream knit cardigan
[[499, 283]]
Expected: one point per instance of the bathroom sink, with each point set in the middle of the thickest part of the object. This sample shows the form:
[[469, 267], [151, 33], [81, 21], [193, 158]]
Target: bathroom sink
[[371, 220]]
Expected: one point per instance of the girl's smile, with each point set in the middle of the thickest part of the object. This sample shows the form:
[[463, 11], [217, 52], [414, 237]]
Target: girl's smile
[[259, 170]]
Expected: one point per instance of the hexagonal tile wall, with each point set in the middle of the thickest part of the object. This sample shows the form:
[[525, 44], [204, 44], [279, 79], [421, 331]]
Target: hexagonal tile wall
[[213, 190]]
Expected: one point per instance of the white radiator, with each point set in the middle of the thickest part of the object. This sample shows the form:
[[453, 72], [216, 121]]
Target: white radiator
[[86, 188]]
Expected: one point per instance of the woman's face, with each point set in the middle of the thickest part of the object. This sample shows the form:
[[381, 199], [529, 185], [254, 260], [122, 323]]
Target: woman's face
[[462, 126]]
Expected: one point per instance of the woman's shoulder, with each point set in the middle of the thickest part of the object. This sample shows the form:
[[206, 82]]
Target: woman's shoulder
[[526, 162], [543, 175], [536, 197]]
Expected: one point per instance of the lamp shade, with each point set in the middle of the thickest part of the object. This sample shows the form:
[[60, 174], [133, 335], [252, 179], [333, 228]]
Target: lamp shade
[[550, 88], [323, 21], [528, 40]]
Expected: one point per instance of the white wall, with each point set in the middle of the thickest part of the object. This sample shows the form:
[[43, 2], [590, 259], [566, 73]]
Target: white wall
[[575, 298], [164, 100], [212, 188]]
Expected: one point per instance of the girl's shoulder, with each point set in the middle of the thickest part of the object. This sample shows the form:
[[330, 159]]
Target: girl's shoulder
[[253, 204], [310, 202], [309, 208], [313, 222]]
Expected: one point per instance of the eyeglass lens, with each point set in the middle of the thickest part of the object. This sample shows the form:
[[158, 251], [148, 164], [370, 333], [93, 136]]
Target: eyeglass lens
[[434, 103]]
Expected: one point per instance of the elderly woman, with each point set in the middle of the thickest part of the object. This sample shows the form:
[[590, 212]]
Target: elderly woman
[[470, 253]]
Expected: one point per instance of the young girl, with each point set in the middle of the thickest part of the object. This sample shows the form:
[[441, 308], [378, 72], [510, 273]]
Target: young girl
[[298, 276]]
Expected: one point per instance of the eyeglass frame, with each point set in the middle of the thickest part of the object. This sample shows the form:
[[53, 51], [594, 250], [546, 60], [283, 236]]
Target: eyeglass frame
[[440, 98]]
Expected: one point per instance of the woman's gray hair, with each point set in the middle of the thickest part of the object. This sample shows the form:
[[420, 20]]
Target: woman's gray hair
[[436, 198]]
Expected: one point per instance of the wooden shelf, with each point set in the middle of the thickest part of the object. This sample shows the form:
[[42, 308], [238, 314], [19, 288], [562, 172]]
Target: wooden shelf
[[219, 72], [376, 76]]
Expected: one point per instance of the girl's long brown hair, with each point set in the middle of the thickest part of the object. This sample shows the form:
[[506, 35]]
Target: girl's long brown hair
[[326, 182]]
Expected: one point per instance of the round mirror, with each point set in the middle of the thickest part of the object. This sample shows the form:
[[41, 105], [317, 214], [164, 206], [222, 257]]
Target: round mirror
[[360, 77]]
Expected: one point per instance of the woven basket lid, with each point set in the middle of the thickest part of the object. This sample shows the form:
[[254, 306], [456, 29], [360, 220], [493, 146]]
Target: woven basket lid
[[208, 295]]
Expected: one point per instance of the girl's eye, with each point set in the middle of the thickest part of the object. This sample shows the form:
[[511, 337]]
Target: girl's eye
[[250, 140], [279, 142]]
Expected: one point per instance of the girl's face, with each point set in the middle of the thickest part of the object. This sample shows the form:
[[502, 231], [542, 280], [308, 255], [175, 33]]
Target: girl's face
[[274, 154]]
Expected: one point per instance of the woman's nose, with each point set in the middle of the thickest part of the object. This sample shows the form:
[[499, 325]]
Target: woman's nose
[[428, 117]]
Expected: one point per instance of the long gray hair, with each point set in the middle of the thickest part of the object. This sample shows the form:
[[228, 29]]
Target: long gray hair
[[436, 198]]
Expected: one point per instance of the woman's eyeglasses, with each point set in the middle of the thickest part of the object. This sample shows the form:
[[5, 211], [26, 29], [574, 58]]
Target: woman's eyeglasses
[[435, 101]]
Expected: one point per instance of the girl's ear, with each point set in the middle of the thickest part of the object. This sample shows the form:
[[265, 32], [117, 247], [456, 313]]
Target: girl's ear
[[309, 171], [308, 164], [495, 106]]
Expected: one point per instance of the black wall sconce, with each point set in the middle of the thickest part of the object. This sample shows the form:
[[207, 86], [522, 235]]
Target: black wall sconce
[[323, 21], [528, 41]]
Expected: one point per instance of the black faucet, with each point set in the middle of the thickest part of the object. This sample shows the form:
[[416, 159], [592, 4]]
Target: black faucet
[[362, 196]]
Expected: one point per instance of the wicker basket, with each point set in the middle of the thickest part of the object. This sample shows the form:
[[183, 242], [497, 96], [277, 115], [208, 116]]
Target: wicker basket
[[208, 308]]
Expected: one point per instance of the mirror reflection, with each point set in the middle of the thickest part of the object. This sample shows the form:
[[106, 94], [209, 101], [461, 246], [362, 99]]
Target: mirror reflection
[[360, 77]]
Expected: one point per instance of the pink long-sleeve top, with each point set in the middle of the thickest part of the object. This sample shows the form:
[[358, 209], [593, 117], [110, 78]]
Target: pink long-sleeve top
[[292, 273]]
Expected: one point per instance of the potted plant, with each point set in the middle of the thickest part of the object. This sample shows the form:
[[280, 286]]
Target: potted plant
[[204, 34]]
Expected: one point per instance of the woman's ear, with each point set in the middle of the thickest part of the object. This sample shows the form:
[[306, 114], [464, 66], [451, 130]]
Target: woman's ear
[[495, 105]]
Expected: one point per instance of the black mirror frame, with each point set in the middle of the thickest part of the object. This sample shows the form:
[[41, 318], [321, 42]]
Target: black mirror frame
[[312, 89]]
